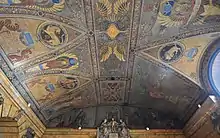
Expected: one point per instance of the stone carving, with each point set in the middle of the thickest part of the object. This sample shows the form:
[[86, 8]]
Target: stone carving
[[29, 133], [113, 129], [1, 99], [215, 117]]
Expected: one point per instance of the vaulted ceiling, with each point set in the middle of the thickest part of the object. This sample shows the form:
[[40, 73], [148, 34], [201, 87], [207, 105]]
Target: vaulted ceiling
[[80, 61]]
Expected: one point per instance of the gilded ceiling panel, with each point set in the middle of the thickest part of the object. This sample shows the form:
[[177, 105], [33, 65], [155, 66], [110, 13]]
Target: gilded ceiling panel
[[49, 87], [74, 60], [78, 62], [112, 26], [27, 38], [183, 55], [169, 20]]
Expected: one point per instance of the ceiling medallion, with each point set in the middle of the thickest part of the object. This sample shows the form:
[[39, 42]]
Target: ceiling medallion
[[52, 35], [112, 13], [113, 129], [171, 53], [112, 31]]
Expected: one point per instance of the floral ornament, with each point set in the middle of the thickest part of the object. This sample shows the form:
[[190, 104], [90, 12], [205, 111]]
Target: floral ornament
[[112, 12]]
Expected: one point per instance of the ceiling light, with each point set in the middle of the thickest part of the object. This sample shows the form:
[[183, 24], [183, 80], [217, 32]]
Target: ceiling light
[[213, 98], [147, 128], [29, 105], [80, 128], [199, 106]]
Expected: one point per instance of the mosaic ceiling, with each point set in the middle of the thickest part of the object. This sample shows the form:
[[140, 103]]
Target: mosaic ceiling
[[80, 61]]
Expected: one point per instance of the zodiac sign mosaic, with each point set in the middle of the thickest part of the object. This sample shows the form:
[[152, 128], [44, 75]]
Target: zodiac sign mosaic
[[171, 52], [52, 35], [43, 5], [112, 13], [51, 86]]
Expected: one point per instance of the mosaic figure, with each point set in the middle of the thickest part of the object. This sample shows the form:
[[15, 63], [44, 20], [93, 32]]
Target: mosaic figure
[[20, 55], [65, 61], [52, 35], [171, 53], [52, 86], [172, 13], [67, 82]]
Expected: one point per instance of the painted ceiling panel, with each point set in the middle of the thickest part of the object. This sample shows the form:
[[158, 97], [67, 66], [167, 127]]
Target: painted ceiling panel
[[78, 62], [160, 86], [183, 55]]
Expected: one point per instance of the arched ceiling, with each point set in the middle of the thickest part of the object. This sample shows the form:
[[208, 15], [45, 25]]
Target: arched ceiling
[[80, 61]]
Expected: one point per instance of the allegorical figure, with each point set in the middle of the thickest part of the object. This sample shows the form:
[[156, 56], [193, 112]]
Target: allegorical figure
[[62, 62], [113, 125], [103, 130]]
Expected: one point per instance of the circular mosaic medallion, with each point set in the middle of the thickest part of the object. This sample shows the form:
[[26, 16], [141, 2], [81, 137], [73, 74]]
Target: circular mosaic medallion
[[52, 35], [68, 82], [171, 52]]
